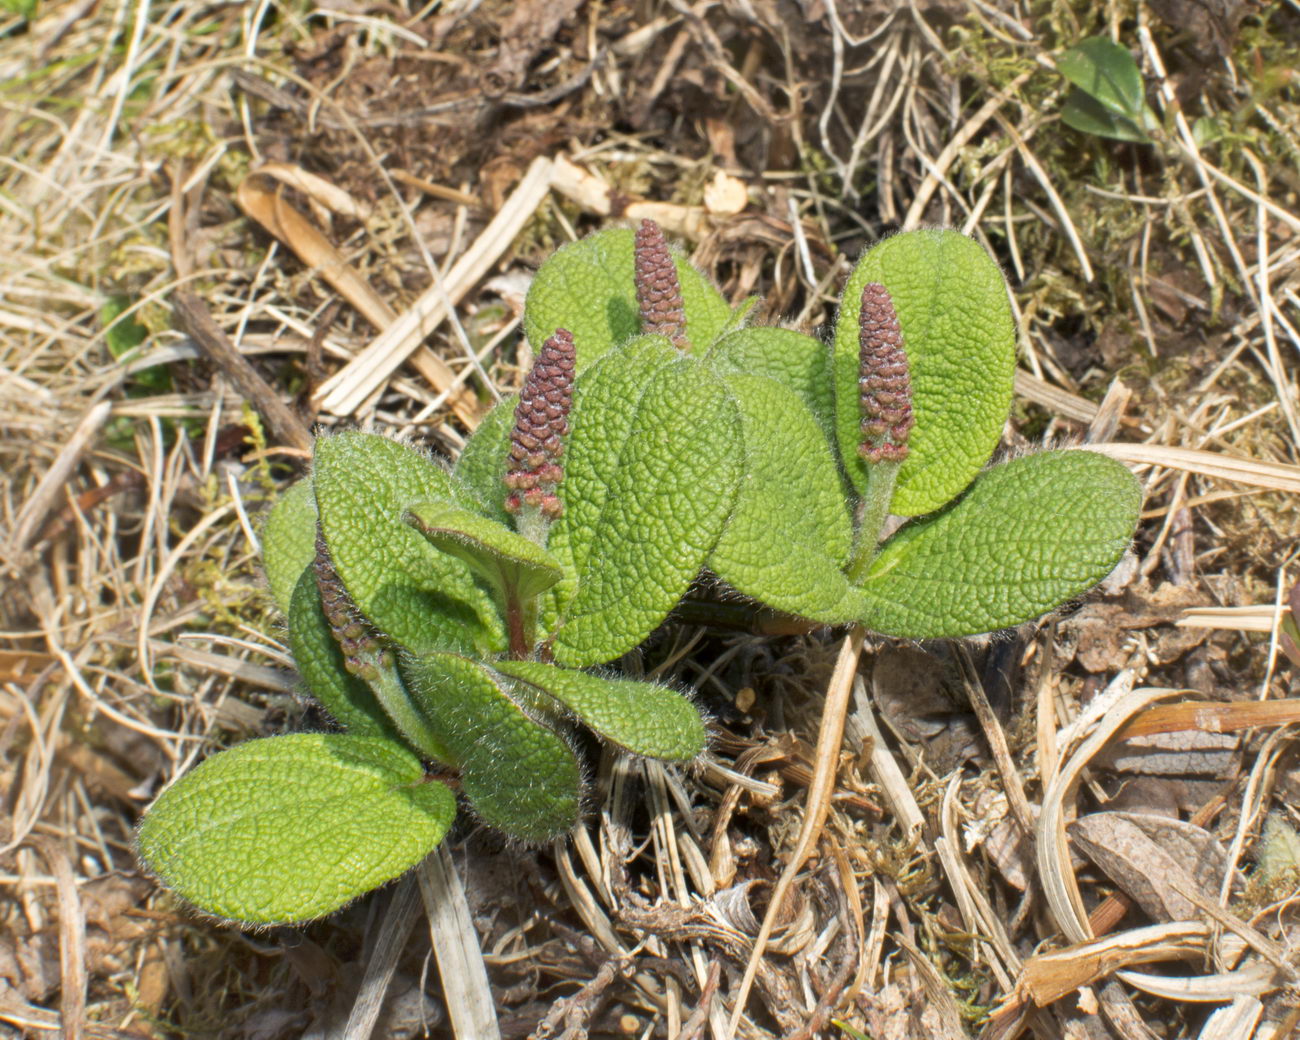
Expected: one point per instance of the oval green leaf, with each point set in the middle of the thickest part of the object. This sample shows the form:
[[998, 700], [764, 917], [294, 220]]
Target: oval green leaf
[[292, 828], [961, 347], [518, 774], [789, 534], [650, 475], [1027, 537], [640, 717], [419, 597]]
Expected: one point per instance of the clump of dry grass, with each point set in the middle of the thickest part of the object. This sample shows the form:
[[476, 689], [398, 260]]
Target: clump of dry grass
[[414, 164]]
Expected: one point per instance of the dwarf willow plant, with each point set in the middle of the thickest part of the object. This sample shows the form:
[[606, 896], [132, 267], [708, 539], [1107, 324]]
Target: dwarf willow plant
[[449, 621]]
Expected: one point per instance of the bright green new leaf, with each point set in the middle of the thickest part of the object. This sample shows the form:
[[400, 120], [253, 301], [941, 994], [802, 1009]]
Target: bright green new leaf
[[789, 533], [291, 828], [1026, 537], [320, 663], [961, 348], [1086, 114], [650, 475], [421, 598], [589, 288], [517, 568], [1107, 73], [289, 540], [799, 362], [482, 463], [520, 776], [640, 717]]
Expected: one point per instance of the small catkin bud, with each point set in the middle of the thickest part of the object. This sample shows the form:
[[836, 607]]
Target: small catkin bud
[[541, 424], [884, 382], [359, 642], [658, 292]]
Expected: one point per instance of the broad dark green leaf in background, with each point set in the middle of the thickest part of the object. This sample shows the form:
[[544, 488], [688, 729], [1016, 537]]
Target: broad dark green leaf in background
[[291, 828], [789, 533], [589, 288], [640, 717], [960, 340], [799, 362], [289, 540], [1028, 535], [518, 774], [421, 598], [650, 476], [481, 466]]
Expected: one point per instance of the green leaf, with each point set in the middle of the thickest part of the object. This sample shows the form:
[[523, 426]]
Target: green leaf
[[1107, 73], [518, 774], [517, 568], [589, 288], [289, 540], [482, 463], [348, 699], [800, 362], [650, 474], [419, 597], [640, 717], [789, 533], [961, 347], [291, 828], [1084, 113], [1028, 536]]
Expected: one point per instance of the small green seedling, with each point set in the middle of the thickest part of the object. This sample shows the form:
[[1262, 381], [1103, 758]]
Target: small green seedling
[[449, 622], [1106, 96]]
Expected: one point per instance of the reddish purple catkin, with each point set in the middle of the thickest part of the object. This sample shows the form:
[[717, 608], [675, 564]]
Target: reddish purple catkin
[[658, 292], [884, 384], [363, 652], [541, 423]]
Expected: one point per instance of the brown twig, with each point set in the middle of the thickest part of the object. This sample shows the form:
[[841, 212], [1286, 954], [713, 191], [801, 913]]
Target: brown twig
[[280, 419]]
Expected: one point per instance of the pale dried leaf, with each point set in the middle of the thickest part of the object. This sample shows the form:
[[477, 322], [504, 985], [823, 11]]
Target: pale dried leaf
[[1153, 859]]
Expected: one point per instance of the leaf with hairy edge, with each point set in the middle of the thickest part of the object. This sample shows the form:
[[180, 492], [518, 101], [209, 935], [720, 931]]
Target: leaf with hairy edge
[[289, 540], [960, 340], [482, 463], [417, 596], [1026, 537], [294, 827], [518, 774], [516, 567], [789, 533], [320, 663], [640, 717], [650, 475], [589, 288], [799, 362]]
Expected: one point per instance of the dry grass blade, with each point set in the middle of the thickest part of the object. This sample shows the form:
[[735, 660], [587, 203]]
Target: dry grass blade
[[456, 945], [1277, 476], [825, 763], [347, 388]]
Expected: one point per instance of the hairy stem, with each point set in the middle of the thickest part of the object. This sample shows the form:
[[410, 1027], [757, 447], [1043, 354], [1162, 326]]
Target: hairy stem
[[874, 511]]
